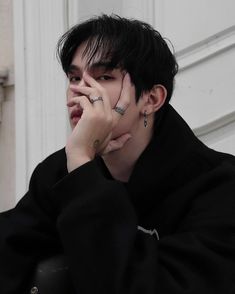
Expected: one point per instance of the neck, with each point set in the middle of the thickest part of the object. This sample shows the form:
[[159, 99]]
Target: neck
[[121, 162]]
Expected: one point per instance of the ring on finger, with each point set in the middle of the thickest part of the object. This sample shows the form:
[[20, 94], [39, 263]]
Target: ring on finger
[[119, 110], [99, 98]]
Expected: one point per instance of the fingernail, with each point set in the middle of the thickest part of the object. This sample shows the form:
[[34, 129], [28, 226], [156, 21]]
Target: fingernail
[[128, 77]]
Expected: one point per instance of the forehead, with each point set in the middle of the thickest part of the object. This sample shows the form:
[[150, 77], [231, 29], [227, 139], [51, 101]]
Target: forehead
[[82, 61], [82, 57], [79, 56]]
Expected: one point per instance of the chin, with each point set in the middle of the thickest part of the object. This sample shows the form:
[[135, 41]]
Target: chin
[[72, 125]]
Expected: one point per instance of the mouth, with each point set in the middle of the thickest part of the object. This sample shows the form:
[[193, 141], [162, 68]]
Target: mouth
[[75, 116]]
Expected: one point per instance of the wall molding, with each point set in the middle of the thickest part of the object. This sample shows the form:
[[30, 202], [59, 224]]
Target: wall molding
[[216, 124], [143, 10], [6, 80], [3, 79], [7, 76], [206, 49], [40, 116], [72, 9], [199, 52]]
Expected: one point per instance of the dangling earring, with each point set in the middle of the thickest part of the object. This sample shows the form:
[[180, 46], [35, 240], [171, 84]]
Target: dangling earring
[[145, 119]]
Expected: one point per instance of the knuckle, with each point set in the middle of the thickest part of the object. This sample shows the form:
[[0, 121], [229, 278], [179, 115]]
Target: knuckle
[[97, 116], [109, 117], [127, 103], [109, 120], [102, 91]]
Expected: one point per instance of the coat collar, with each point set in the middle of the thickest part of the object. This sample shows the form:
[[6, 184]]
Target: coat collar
[[162, 166]]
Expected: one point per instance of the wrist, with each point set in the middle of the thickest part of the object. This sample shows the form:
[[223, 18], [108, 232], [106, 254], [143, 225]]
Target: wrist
[[75, 159]]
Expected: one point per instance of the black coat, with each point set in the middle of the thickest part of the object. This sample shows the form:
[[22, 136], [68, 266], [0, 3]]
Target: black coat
[[170, 229]]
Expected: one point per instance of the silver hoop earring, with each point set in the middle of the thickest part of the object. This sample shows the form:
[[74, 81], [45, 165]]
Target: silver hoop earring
[[145, 119]]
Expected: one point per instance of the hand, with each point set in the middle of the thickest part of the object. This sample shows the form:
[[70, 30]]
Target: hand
[[93, 132]]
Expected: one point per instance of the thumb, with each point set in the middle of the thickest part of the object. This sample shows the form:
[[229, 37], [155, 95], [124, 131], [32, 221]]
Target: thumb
[[116, 144], [124, 99]]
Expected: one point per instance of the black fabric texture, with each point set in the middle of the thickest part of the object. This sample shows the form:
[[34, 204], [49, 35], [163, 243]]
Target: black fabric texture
[[170, 229]]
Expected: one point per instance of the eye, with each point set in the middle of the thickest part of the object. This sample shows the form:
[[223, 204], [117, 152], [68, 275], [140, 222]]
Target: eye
[[104, 78], [74, 79]]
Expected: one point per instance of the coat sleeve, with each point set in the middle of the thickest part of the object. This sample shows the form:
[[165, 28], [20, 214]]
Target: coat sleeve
[[27, 233], [108, 254]]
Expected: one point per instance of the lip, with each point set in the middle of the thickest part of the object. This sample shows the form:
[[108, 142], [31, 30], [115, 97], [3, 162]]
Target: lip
[[75, 116]]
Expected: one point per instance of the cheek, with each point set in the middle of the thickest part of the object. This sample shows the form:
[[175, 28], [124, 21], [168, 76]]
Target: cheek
[[68, 93], [127, 123], [114, 92], [122, 127]]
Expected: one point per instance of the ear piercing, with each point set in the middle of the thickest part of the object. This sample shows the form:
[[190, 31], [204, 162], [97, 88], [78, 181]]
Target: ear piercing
[[145, 119]]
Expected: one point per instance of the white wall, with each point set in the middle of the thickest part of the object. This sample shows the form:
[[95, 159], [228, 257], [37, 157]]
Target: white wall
[[202, 33], [41, 120], [7, 108]]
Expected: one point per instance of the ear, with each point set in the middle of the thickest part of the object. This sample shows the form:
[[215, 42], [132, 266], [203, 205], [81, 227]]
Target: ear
[[154, 99]]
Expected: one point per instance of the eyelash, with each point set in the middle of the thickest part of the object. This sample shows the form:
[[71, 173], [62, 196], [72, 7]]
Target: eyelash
[[104, 78], [75, 79]]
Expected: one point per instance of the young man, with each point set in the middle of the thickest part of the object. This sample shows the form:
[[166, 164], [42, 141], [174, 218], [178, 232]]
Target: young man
[[135, 201]]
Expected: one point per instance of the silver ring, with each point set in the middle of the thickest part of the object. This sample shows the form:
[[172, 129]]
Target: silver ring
[[96, 99], [119, 110]]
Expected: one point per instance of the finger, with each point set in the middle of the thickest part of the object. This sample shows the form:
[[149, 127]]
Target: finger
[[95, 100], [85, 90], [99, 90], [125, 97], [82, 101], [92, 82], [73, 101], [89, 80], [92, 92], [116, 144]]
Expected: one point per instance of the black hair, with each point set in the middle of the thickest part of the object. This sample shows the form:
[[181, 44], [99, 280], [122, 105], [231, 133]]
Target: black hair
[[129, 44]]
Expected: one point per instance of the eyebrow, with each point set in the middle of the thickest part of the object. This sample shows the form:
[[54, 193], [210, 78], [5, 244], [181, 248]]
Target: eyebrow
[[105, 64], [100, 64]]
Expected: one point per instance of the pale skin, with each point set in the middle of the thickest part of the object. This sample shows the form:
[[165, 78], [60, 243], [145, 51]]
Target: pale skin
[[96, 127]]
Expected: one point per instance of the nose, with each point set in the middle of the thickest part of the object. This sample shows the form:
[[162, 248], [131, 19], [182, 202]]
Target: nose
[[82, 82], [73, 88]]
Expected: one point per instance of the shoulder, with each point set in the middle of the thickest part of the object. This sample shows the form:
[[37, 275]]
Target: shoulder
[[52, 168], [57, 158]]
